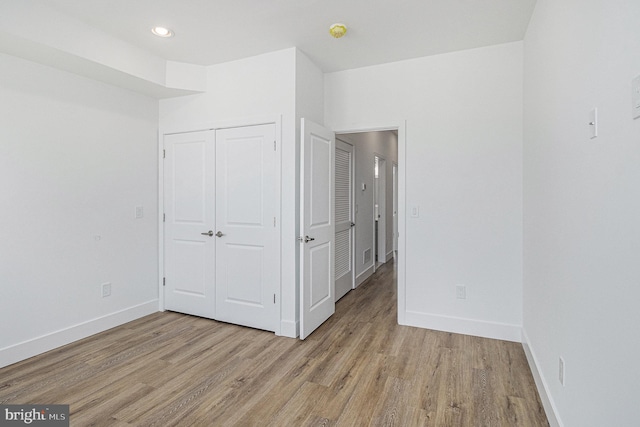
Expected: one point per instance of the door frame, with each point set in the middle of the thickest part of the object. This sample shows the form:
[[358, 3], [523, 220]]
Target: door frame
[[217, 125], [401, 127], [394, 209]]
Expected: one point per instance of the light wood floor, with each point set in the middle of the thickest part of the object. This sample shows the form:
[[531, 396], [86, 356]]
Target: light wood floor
[[360, 368]]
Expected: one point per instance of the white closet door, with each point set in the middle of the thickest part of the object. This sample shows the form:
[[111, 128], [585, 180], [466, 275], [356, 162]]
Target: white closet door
[[247, 230], [344, 219], [189, 207]]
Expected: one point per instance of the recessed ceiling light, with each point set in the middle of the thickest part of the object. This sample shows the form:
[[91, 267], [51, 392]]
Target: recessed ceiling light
[[338, 30], [162, 32]]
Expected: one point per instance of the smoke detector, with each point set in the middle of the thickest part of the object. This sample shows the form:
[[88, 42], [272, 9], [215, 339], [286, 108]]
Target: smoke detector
[[338, 30]]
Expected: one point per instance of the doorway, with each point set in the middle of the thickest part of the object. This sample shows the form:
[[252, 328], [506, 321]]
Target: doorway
[[374, 154]]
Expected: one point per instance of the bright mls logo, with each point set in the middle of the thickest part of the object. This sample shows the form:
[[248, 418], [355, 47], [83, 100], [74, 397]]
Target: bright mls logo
[[34, 415]]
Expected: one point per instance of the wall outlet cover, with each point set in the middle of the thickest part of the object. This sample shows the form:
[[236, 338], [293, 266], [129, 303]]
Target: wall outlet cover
[[106, 289]]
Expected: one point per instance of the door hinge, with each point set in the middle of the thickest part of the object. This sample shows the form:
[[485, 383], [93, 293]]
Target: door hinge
[[164, 153], [274, 298], [164, 217], [164, 281], [274, 221], [274, 146]]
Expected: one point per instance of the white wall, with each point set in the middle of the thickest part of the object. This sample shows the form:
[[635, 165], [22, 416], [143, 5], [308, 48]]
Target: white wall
[[261, 86], [76, 157], [310, 106], [463, 169], [367, 145], [582, 210]]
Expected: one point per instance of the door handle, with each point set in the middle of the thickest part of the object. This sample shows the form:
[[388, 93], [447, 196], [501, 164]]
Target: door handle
[[218, 234], [306, 239], [209, 233], [353, 224]]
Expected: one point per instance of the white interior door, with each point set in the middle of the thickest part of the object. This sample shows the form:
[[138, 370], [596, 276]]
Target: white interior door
[[189, 217], [317, 277], [344, 219], [247, 227], [381, 185]]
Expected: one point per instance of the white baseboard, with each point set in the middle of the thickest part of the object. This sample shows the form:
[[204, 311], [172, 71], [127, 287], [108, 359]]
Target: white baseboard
[[543, 390], [26, 349], [289, 328], [389, 256], [364, 275], [459, 325]]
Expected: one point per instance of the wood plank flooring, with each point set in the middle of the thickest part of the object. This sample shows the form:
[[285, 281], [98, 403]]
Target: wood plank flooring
[[358, 369]]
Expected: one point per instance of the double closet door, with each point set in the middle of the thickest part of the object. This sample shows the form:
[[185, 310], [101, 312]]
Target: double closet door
[[221, 225]]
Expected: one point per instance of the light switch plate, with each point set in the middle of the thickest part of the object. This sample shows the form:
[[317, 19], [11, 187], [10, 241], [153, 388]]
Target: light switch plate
[[635, 97]]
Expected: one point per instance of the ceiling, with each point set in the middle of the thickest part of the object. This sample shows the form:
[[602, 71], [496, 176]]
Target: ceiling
[[208, 32]]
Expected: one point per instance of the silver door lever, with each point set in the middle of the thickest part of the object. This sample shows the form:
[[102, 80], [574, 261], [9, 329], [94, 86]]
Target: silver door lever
[[306, 239], [209, 233], [219, 234]]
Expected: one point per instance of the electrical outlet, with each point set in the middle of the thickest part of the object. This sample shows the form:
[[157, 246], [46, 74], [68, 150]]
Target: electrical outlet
[[561, 370], [106, 289], [461, 292]]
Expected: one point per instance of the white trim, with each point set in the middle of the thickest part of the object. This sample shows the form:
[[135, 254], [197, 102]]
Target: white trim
[[459, 325], [389, 256], [360, 278], [50, 341], [223, 124], [160, 221], [543, 390], [289, 328], [277, 121], [401, 267]]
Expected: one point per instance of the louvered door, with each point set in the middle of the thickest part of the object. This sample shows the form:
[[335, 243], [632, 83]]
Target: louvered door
[[344, 219]]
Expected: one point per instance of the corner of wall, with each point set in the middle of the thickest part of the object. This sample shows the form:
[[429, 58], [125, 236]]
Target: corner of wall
[[541, 384]]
